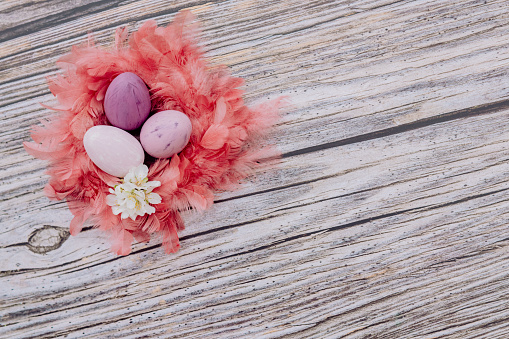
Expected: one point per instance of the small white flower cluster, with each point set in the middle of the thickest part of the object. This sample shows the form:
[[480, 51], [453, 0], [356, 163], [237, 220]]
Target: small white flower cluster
[[134, 195]]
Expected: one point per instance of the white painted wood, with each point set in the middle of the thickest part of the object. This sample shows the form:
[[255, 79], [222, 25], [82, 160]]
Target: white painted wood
[[386, 218]]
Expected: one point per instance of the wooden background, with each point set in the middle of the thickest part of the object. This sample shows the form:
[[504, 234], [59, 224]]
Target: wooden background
[[387, 217]]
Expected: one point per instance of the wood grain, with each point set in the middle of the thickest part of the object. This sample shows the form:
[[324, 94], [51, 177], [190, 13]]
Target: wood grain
[[386, 217]]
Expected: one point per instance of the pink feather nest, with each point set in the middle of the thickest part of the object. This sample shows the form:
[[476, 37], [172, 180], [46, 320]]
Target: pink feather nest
[[223, 149]]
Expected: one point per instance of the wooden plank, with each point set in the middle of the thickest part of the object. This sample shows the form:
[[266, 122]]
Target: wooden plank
[[340, 83], [365, 237], [330, 255], [362, 107], [386, 217]]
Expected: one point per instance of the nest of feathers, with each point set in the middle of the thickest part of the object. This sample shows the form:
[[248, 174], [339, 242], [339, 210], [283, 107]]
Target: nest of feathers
[[226, 142]]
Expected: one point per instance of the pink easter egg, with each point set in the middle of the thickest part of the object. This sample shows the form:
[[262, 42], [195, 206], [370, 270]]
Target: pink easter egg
[[165, 133], [127, 102], [113, 150]]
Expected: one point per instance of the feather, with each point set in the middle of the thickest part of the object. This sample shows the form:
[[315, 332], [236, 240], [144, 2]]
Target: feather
[[220, 111], [107, 220], [170, 238], [141, 236], [177, 218], [121, 241], [80, 216], [80, 124], [215, 137], [152, 224], [76, 225], [45, 152], [224, 148], [199, 197], [120, 37], [108, 179], [157, 167]]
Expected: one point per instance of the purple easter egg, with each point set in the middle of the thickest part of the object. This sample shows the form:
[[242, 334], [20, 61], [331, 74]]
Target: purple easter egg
[[165, 133], [127, 101]]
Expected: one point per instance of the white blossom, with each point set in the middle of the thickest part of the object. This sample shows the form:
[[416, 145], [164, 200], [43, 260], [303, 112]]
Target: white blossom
[[133, 197]]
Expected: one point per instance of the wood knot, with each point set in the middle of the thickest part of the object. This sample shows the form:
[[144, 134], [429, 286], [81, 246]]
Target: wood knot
[[47, 238]]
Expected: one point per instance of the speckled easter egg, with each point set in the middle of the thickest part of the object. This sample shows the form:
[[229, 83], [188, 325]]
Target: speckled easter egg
[[113, 150], [127, 101], [165, 133]]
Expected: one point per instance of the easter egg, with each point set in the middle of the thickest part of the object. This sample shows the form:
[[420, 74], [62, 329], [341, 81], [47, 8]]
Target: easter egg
[[127, 101], [165, 133], [113, 150]]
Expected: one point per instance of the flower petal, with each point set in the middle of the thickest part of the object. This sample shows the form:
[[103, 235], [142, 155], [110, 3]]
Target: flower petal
[[128, 186], [131, 203], [154, 198], [141, 172], [133, 197], [149, 186], [150, 209], [111, 200], [130, 177], [116, 210]]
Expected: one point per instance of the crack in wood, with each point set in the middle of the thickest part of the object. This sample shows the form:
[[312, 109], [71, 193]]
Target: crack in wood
[[492, 107], [359, 222], [279, 188]]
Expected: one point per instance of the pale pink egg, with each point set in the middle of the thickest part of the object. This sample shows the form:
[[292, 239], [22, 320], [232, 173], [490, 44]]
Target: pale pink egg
[[165, 133], [113, 150]]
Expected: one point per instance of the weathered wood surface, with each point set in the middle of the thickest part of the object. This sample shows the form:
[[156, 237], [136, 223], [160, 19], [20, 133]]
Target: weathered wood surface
[[386, 218]]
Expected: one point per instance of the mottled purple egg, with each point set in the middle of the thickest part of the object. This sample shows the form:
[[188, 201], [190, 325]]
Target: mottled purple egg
[[165, 133], [127, 101]]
